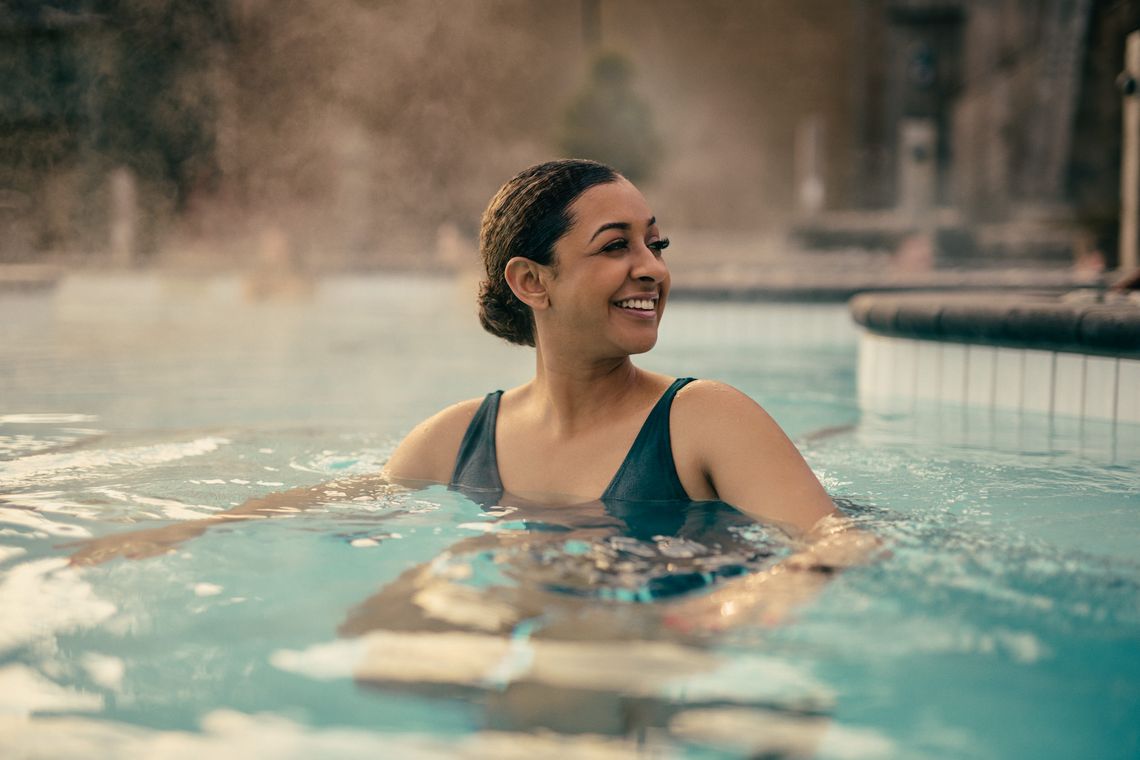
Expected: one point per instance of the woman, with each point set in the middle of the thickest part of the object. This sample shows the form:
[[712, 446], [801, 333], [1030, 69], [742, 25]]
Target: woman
[[575, 267]]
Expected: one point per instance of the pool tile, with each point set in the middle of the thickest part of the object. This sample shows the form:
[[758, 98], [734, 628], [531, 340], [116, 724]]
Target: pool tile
[[928, 370], [1100, 387], [882, 362], [1068, 384], [1037, 381], [1008, 378], [865, 371], [884, 366], [953, 381], [1128, 391], [980, 371], [905, 355], [1127, 444], [792, 330]]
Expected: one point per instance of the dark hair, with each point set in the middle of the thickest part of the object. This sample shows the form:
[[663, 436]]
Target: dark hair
[[526, 218]]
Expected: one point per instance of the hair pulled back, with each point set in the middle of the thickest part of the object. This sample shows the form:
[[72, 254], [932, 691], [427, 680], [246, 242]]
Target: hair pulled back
[[528, 215]]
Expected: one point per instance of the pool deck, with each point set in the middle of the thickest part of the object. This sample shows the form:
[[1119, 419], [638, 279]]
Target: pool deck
[[824, 283], [28, 277]]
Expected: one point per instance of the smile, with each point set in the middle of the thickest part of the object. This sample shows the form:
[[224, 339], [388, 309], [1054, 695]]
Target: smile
[[637, 304], [642, 309]]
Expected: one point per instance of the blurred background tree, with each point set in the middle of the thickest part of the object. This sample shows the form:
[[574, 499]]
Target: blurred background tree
[[609, 121]]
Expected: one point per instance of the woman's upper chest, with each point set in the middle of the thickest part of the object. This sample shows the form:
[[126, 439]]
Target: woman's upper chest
[[632, 454], [539, 463]]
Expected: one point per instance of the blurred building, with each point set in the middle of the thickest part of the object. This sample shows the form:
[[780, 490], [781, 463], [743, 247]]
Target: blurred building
[[1003, 113], [359, 130], [45, 119], [108, 116]]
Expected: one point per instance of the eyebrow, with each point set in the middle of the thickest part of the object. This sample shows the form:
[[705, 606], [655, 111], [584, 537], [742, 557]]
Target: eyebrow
[[619, 226]]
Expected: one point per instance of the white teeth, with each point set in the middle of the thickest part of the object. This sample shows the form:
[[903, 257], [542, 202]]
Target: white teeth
[[636, 303]]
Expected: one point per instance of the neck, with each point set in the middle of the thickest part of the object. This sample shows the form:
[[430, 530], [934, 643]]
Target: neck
[[570, 395]]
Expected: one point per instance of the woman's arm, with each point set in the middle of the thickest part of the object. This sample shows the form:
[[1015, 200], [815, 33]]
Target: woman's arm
[[771, 596], [728, 448], [424, 457], [150, 542], [727, 444]]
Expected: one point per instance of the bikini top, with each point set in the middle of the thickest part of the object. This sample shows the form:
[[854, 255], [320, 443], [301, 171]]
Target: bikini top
[[647, 474]]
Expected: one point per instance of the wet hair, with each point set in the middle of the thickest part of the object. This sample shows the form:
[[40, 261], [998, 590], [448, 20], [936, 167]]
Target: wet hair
[[528, 215]]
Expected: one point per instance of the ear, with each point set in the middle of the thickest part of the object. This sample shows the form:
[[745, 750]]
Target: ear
[[527, 280]]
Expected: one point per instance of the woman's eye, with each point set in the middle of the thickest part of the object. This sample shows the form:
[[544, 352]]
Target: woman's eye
[[657, 246], [618, 245]]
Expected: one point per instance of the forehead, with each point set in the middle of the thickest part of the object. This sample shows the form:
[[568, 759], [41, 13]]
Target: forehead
[[616, 201]]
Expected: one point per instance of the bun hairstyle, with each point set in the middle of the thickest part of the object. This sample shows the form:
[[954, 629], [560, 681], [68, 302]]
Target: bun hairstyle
[[526, 218]]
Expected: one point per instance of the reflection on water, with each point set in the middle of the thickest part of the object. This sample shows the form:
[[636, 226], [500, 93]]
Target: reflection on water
[[423, 620], [1003, 623]]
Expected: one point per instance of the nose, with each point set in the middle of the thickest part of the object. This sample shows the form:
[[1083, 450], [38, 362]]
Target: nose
[[649, 266]]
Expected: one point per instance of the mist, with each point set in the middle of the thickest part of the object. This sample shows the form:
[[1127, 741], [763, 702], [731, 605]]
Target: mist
[[356, 134], [359, 128]]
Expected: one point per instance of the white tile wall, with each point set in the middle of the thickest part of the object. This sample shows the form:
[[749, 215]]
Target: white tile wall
[[885, 365], [905, 361], [928, 372], [732, 324], [1127, 442], [1100, 387], [1010, 366], [1128, 390], [865, 364], [1037, 381], [782, 325], [981, 368], [1066, 386], [953, 380]]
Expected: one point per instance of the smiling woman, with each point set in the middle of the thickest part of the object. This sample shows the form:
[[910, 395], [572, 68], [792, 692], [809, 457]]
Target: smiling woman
[[574, 267]]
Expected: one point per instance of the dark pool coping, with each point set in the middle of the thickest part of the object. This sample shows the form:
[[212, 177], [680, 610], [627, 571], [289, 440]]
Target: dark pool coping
[[827, 285], [1053, 321]]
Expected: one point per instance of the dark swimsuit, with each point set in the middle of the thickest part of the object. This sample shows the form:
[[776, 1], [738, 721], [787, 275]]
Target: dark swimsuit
[[645, 495], [647, 474]]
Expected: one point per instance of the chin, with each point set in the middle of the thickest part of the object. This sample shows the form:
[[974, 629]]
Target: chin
[[635, 347]]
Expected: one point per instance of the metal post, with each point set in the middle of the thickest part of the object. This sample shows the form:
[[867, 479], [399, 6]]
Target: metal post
[[1130, 158]]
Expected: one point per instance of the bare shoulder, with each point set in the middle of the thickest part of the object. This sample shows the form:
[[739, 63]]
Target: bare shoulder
[[723, 438], [427, 453], [709, 415], [711, 403]]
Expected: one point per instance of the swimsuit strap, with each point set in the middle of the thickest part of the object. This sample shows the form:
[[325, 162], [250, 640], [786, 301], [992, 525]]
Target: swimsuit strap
[[476, 466], [649, 472]]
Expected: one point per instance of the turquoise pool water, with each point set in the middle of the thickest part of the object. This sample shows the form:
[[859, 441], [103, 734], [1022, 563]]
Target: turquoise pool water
[[1005, 623]]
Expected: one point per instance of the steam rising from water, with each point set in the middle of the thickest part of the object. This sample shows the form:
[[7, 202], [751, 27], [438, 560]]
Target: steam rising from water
[[363, 132]]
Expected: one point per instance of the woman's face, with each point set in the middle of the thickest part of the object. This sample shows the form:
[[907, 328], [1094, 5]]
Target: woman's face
[[611, 284]]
